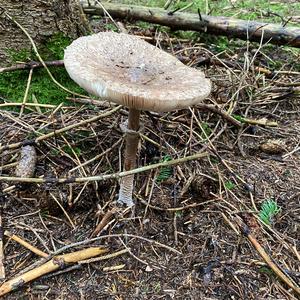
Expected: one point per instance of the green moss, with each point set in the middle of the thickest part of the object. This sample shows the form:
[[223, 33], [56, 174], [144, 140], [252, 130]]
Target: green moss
[[21, 55], [55, 46], [111, 27], [71, 150], [13, 84]]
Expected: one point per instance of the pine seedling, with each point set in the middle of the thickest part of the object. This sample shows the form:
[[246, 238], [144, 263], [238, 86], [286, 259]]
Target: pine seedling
[[165, 172], [268, 211]]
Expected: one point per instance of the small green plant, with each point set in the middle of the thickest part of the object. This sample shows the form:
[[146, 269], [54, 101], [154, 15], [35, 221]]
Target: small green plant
[[179, 213], [268, 211], [214, 160], [165, 172], [111, 27], [266, 270], [45, 213], [239, 118], [206, 130], [72, 150], [229, 185], [55, 152]]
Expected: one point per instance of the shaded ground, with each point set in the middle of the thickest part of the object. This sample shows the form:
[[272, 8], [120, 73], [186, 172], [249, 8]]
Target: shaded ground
[[215, 261]]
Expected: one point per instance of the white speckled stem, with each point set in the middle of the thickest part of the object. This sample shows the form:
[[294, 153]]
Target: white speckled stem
[[132, 141]]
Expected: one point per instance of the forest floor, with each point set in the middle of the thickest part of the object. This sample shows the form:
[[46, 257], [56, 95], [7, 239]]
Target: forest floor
[[193, 231]]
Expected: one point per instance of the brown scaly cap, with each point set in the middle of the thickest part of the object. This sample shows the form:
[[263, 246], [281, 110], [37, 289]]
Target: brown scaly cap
[[127, 70]]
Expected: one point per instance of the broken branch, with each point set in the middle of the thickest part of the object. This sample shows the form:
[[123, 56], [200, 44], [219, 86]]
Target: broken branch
[[52, 265], [236, 28]]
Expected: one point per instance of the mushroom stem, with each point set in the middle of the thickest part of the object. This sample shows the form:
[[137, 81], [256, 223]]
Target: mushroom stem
[[132, 141]]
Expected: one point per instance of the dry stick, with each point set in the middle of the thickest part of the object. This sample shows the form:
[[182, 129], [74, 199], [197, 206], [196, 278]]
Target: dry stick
[[97, 156], [23, 124], [59, 131], [174, 209], [108, 14], [104, 257], [92, 260], [210, 107], [236, 65], [132, 254], [7, 104], [32, 65], [104, 221], [66, 270], [126, 235], [113, 268], [25, 244], [39, 56], [268, 259], [216, 109], [88, 241], [35, 101], [52, 265], [296, 252], [2, 270], [64, 211], [117, 175], [263, 122], [26, 92]]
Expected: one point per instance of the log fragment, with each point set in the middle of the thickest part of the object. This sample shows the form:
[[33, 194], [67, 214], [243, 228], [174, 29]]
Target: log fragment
[[217, 25]]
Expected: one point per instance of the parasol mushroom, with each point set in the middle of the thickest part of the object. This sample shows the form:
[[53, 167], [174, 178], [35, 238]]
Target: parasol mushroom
[[126, 70]]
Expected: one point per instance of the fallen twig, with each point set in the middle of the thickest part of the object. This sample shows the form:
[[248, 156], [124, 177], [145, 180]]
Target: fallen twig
[[104, 221], [125, 235], [113, 268], [246, 231], [26, 92], [202, 106], [50, 266], [2, 270], [117, 175], [218, 110], [32, 65], [35, 105], [262, 122], [25, 244], [59, 131], [243, 29], [104, 257]]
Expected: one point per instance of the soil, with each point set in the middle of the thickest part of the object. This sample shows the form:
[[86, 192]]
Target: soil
[[185, 238]]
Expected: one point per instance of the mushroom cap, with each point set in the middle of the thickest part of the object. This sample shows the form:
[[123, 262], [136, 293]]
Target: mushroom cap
[[127, 70]]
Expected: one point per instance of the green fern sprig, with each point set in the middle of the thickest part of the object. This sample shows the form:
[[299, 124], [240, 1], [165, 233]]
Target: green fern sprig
[[165, 172], [268, 211]]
